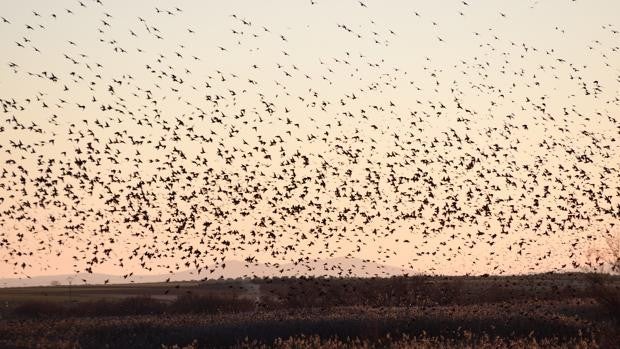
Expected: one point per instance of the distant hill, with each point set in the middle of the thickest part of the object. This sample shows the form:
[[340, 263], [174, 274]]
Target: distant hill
[[234, 269]]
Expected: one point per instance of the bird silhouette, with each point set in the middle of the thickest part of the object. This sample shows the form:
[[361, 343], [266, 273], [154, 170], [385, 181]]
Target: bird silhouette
[[133, 148]]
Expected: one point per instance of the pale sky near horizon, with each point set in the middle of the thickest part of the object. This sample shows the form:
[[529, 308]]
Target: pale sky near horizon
[[435, 136]]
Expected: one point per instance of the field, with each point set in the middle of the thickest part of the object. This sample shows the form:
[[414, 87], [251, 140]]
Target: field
[[551, 310]]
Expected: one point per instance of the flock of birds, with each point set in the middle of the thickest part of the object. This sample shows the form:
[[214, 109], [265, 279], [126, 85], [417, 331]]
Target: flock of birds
[[474, 166]]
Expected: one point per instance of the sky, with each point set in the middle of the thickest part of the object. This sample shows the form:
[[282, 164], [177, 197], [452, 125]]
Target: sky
[[439, 137]]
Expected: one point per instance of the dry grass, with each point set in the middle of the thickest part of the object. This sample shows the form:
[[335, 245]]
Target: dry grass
[[606, 293], [420, 312]]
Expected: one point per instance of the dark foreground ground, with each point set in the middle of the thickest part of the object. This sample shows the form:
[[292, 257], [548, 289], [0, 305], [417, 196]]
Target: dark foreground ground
[[565, 311]]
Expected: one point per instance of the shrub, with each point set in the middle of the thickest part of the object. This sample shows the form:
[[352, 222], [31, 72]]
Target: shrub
[[606, 294], [38, 309], [140, 305], [210, 304]]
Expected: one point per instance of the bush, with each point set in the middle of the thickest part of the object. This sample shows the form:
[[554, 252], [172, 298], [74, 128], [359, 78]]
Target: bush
[[602, 287], [210, 304], [36, 309], [606, 294], [140, 305]]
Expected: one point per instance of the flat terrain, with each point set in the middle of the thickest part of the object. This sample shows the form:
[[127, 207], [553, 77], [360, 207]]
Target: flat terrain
[[520, 311]]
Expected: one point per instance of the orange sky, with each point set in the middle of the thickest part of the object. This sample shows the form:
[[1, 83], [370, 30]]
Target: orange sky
[[444, 138]]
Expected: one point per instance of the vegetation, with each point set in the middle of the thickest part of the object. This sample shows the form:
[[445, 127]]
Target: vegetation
[[559, 311], [602, 286], [142, 305]]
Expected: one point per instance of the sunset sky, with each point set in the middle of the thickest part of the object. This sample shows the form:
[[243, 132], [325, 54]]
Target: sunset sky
[[439, 137]]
